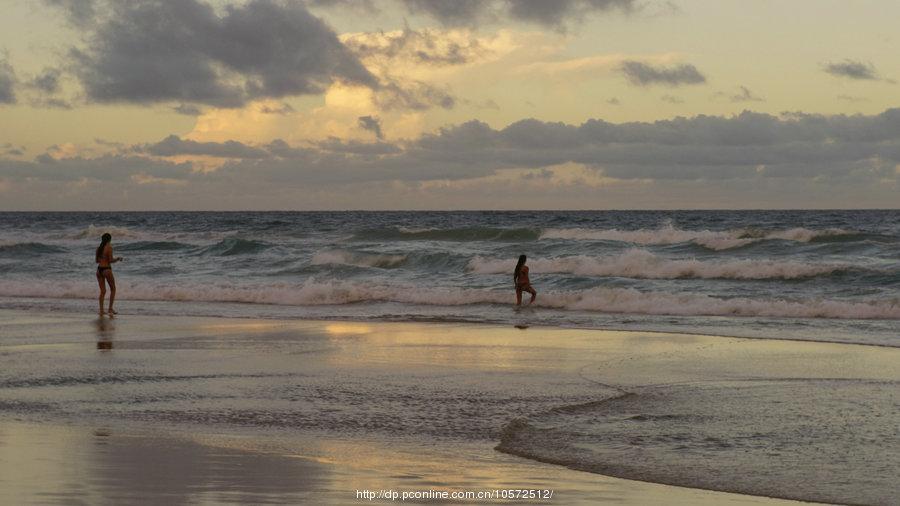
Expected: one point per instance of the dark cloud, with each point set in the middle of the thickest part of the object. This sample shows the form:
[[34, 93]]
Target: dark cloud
[[157, 51], [358, 148], [548, 13], [7, 82], [557, 12], [371, 124], [852, 69], [175, 146], [47, 81], [451, 12], [78, 12], [9, 149], [413, 94], [108, 168], [745, 95], [188, 110], [283, 109], [851, 98], [643, 74]]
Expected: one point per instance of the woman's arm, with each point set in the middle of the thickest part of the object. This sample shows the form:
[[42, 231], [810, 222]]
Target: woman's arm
[[109, 255]]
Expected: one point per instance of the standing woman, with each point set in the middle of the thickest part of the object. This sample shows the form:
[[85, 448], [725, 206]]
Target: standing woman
[[105, 259], [523, 284]]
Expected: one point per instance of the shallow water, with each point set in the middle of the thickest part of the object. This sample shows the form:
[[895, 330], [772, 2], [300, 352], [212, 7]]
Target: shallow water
[[811, 421]]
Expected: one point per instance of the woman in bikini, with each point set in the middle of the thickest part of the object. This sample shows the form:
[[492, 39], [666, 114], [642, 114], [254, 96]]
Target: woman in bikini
[[523, 284], [105, 259]]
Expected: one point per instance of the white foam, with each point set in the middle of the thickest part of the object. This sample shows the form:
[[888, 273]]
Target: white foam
[[669, 234], [606, 300], [638, 263]]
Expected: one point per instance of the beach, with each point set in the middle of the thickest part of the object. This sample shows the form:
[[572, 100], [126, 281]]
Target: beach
[[199, 410]]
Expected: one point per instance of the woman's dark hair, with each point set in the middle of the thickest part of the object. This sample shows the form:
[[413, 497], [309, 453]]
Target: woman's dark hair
[[519, 265], [104, 240]]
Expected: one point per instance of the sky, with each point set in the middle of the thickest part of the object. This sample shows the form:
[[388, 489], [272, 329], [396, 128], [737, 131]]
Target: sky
[[448, 104]]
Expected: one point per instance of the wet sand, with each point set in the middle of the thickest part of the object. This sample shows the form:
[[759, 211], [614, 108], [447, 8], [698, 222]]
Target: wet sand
[[209, 410]]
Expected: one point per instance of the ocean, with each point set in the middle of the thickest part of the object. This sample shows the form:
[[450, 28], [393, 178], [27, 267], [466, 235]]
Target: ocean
[[814, 275]]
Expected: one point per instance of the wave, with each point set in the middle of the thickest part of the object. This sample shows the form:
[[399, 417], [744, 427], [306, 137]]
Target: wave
[[449, 234], [604, 300], [710, 239], [92, 232], [637, 263], [29, 248], [235, 246], [154, 246], [341, 257]]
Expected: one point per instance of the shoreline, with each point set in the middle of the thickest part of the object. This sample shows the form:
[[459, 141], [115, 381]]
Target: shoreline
[[474, 355], [649, 329]]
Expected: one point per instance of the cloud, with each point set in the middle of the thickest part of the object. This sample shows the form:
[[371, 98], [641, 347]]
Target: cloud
[[7, 81], [745, 95], [643, 74], [452, 12], [552, 14], [556, 13], [78, 12], [413, 94], [160, 51], [842, 149], [421, 47], [851, 98], [371, 124], [9, 149], [282, 109], [188, 110], [175, 146], [672, 99], [109, 168], [47, 81], [613, 101], [852, 69]]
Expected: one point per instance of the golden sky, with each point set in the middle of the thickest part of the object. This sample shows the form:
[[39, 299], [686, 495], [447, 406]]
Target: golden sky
[[434, 103]]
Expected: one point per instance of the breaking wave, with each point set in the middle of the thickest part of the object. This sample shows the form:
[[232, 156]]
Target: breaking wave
[[711, 239], [637, 263], [604, 300]]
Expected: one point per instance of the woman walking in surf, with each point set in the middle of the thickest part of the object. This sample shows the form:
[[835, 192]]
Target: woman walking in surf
[[523, 284]]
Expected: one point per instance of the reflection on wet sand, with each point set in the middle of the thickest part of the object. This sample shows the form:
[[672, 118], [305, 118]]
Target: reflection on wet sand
[[105, 330], [105, 467]]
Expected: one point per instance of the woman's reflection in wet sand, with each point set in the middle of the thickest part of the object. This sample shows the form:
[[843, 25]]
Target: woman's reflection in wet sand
[[106, 330]]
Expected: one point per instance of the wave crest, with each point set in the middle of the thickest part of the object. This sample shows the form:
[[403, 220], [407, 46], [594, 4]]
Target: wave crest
[[604, 300], [710, 239], [637, 263], [341, 257]]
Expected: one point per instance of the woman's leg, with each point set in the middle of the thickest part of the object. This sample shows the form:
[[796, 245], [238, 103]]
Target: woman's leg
[[518, 296], [112, 289], [533, 293], [102, 290]]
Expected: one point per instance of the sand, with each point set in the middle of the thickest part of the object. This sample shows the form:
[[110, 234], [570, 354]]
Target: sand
[[85, 419]]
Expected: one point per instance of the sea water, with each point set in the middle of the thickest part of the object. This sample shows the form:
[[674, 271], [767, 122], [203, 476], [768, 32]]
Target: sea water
[[824, 275]]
